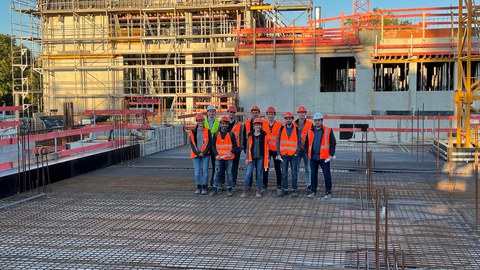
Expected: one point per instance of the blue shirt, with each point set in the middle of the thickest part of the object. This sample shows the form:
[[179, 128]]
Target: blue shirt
[[317, 142]]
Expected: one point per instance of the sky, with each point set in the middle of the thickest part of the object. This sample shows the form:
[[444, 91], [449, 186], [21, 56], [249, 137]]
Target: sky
[[330, 8]]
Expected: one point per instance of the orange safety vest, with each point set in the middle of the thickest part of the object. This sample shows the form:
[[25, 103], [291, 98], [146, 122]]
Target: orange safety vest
[[265, 150], [325, 145], [273, 135], [236, 131], [205, 142], [306, 127], [224, 146], [288, 146]]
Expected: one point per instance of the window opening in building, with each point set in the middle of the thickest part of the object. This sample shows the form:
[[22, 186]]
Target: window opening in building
[[391, 77], [337, 74], [436, 76]]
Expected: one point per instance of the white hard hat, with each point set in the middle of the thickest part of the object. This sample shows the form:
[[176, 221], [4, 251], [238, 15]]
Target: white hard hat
[[317, 116], [211, 107]]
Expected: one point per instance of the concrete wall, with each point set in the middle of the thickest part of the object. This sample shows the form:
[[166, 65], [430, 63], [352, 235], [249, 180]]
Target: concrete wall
[[163, 138]]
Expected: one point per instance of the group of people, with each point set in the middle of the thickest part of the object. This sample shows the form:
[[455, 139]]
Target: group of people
[[220, 142]]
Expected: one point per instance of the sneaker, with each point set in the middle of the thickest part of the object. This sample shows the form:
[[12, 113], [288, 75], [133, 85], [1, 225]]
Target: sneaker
[[327, 196], [312, 195], [244, 194], [281, 193], [229, 192], [294, 194], [309, 190], [213, 192], [204, 190], [258, 194], [198, 191]]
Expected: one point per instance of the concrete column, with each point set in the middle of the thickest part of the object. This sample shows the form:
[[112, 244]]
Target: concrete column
[[189, 81], [412, 85], [188, 26]]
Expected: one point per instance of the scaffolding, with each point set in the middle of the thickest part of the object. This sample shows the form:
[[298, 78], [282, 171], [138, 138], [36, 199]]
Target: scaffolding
[[170, 57], [26, 36]]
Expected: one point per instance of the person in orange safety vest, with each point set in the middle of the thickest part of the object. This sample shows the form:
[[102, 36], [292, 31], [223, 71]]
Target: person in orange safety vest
[[272, 132], [236, 127], [199, 141], [304, 125], [321, 151], [224, 147], [288, 147]]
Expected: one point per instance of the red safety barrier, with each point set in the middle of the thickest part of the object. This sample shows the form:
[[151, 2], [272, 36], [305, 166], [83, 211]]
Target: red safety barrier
[[86, 148], [6, 166]]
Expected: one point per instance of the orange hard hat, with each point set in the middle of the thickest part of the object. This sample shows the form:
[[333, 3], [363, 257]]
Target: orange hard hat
[[288, 115], [271, 110], [255, 108], [301, 109], [258, 121], [199, 117], [225, 119], [232, 109]]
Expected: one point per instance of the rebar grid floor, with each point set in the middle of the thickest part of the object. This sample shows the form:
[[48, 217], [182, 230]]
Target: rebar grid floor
[[143, 215]]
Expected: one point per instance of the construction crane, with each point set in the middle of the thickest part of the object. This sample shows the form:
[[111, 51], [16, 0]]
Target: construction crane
[[467, 87], [361, 6]]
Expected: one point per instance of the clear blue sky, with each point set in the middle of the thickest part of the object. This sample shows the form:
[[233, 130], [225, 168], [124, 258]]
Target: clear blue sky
[[330, 8]]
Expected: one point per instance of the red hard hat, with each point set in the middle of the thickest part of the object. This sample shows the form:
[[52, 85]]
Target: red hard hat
[[255, 108], [199, 117], [232, 109], [288, 115], [301, 109], [271, 110], [225, 119], [258, 121]]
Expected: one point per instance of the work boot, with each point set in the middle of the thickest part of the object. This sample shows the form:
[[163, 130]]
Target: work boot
[[294, 193], [204, 189], [199, 190], [213, 192]]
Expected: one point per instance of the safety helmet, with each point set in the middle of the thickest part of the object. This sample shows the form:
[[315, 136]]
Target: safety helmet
[[232, 109], [301, 109], [199, 117], [225, 119], [211, 107], [288, 115], [255, 108], [271, 110], [258, 121], [318, 116]]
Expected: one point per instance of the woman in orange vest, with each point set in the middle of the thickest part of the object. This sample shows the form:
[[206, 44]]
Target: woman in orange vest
[[200, 150], [257, 156], [321, 151], [288, 147]]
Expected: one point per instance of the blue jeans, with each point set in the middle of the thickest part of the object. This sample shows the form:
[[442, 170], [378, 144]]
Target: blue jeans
[[293, 161], [306, 162], [326, 174], [258, 164], [222, 167], [200, 165]]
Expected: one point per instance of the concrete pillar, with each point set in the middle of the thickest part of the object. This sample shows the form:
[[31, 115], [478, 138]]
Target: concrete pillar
[[189, 81], [412, 85]]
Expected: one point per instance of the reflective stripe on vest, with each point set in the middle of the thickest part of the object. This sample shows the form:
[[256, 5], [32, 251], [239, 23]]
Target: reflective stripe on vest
[[288, 146], [273, 135], [325, 144], [205, 142], [224, 146]]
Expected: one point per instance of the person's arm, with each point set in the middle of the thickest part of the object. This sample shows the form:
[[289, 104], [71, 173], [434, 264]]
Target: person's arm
[[278, 140], [235, 148], [209, 144], [299, 140], [333, 143], [214, 144], [192, 145]]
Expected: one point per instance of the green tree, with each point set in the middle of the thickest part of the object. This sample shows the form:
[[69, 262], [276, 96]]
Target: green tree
[[386, 21], [5, 71]]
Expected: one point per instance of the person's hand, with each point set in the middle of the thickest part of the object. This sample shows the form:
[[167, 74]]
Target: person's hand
[[201, 155], [217, 157], [247, 161]]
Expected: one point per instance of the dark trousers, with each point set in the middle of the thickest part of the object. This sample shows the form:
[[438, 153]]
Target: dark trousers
[[212, 159], [236, 162], [278, 171], [314, 164]]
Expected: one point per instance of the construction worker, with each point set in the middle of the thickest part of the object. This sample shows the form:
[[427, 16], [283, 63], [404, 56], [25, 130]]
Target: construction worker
[[321, 151], [304, 125], [236, 127], [212, 123], [257, 156], [272, 132], [288, 147], [248, 126], [200, 153], [224, 147]]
